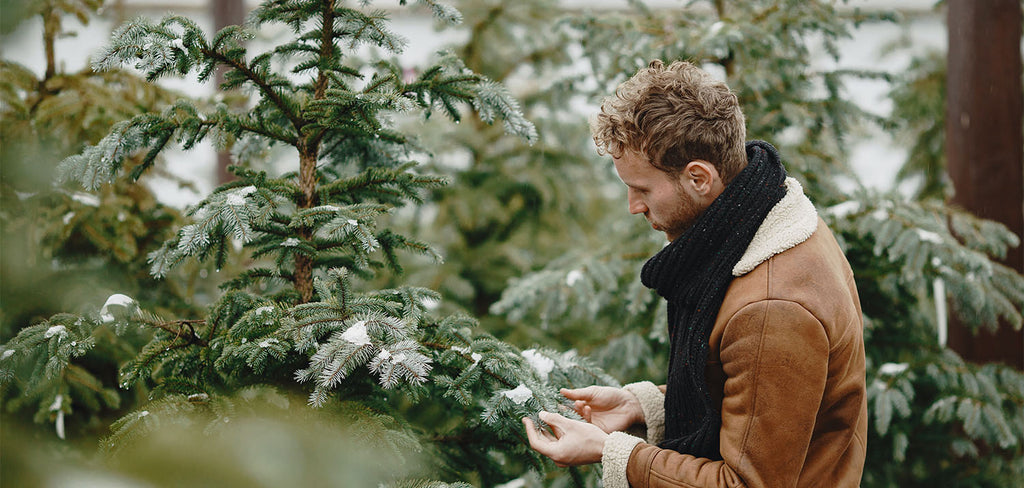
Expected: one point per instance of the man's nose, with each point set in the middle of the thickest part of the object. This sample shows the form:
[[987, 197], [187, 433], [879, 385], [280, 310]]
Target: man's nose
[[636, 204]]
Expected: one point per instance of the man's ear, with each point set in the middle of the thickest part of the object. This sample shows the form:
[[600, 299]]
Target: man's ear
[[702, 178]]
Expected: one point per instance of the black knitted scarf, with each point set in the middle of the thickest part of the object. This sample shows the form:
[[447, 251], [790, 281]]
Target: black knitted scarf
[[692, 273]]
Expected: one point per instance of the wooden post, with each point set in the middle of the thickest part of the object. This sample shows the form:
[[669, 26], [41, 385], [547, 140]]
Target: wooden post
[[225, 13], [984, 143]]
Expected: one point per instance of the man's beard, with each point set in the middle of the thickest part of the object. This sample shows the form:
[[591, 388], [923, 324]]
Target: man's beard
[[677, 223]]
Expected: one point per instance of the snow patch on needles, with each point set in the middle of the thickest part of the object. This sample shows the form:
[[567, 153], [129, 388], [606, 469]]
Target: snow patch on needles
[[357, 334], [86, 199], [58, 330], [844, 209], [893, 369], [573, 277], [540, 363], [929, 236], [267, 342], [118, 300], [519, 395], [290, 242], [57, 406], [237, 197], [475, 356], [58, 402]]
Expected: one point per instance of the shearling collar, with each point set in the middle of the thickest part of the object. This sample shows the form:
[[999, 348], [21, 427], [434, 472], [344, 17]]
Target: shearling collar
[[788, 223]]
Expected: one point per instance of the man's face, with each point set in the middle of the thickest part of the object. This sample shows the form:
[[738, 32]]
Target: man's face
[[660, 196]]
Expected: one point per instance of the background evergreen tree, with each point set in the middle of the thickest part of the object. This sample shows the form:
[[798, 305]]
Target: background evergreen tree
[[58, 238], [63, 248]]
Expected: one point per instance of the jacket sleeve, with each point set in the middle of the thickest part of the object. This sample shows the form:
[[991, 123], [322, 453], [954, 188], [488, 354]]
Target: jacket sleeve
[[775, 358], [652, 402]]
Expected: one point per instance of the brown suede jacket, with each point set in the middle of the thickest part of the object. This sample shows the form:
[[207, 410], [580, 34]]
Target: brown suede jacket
[[786, 366]]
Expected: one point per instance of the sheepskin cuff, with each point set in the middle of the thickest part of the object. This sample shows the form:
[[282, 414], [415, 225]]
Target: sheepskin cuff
[[652, 402], [615, 457]]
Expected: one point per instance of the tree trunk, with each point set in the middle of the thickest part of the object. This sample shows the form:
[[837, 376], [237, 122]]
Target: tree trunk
[[51, 21], [225, 13], [308, 153], [984, 142]]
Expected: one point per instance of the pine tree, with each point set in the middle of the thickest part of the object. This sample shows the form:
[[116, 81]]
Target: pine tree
[[303, 316]]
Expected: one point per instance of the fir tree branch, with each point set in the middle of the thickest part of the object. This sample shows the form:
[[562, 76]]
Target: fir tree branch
[[179, 332], [323, 321], [78, 374], [260, 130], [442, 347], [264, 87]]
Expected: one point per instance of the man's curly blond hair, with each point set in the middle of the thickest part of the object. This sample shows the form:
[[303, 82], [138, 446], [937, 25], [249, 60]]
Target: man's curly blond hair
[[673, 115]]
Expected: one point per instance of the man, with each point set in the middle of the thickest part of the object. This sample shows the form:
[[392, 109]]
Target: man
[[766, 374]]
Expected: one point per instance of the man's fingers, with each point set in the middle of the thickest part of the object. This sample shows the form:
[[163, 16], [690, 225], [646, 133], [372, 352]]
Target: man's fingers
[[578, 393], [546, 418], [557, 422], [578, 406], [573, 443], [533, 435], [541, 441], [541, 433], [529, 429]]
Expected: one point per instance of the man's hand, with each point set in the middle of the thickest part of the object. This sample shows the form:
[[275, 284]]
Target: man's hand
[[572, 444], [611, 409]]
